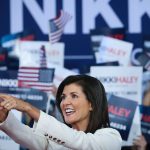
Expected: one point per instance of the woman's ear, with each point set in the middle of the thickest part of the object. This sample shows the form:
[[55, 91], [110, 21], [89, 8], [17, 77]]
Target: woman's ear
[[91, 109]]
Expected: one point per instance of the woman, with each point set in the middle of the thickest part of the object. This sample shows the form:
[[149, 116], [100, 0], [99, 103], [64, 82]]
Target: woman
[[82, 101]]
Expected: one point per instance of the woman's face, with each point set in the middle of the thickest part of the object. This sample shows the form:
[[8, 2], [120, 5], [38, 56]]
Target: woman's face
[[75, 107]]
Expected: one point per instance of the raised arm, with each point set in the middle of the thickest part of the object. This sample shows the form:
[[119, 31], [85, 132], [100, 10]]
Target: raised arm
[[20, 133], [9, 102]]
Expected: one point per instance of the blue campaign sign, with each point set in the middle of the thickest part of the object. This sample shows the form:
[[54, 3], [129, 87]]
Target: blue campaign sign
[[9, 85], [121, 113], [8, 78], [145, 122], [133, 15], [3, 57], [35, 97]]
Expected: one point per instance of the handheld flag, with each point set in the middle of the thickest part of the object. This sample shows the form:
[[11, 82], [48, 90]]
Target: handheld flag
[[43, 62], [57, 25]]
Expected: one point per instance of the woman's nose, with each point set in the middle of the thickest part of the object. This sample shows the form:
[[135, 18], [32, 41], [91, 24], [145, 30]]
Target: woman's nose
[[67, 100]]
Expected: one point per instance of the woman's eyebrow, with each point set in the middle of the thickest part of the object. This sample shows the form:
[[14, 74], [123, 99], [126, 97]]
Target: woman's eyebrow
[[75, 93]]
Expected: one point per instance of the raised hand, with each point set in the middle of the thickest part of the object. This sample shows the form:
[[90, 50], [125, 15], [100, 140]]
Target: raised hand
[[140, 143], [3, 112], [9, 102]]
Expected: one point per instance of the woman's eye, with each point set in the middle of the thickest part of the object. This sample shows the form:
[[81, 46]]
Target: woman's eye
[[74, 96], [62, 97]]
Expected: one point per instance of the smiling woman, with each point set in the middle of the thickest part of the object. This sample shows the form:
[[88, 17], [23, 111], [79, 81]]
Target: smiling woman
[[73, 100], [82, 102], [89, 94]]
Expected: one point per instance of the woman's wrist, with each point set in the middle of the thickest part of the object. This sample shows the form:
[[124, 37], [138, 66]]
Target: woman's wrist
[[22, 106], [28, 108], [32, 111], [4, 115]]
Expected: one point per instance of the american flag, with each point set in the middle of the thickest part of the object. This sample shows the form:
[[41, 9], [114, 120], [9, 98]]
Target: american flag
[[37, 78], [57, 25], [43, 63]]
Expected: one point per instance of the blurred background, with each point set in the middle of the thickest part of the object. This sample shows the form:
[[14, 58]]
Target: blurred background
[[108, 39]]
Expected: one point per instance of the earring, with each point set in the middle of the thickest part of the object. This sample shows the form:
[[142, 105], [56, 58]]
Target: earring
[[91, 109]]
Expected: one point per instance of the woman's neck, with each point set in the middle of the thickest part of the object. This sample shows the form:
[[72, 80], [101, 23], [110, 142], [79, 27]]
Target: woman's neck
[[82, 126]]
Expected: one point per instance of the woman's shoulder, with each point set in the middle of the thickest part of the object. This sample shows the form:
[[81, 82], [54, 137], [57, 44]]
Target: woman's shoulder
[[110, 136], [109, 132]]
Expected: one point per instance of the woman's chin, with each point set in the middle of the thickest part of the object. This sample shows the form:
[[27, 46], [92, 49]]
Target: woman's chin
[[69, 121]]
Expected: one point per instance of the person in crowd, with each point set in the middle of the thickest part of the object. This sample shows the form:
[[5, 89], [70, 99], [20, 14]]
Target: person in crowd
[[146, 98], [82, 102], [140, 143]]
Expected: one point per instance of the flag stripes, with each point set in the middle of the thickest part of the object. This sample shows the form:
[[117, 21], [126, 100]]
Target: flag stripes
[[37, 78], [57, 26]]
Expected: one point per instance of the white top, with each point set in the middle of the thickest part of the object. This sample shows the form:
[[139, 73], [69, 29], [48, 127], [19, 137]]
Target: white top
[[50, 134]]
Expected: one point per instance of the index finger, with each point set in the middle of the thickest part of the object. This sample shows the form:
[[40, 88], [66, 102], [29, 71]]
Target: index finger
[[5, 96], [1, 99]]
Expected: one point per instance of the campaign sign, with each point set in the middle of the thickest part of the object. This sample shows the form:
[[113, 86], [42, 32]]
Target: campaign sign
[[55, 54], [121, 113], [145, 121], [9, 85], [123, 82], [109, 63], [97, 34], [8, 78], [35, 97], [146, 43], [3, 58], [32, 50], [9, 41], [144, 60], [120, 81], [61, 73], [114, 50]]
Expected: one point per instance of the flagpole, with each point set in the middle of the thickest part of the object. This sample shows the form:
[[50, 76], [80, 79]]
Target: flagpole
[[49, 32], [49, 106]]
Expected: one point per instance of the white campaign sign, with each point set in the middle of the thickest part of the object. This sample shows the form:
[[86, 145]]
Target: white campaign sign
[[6, 143], [114, 50], [60, 73], [55, 54], [124, 82], [29, 53]]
